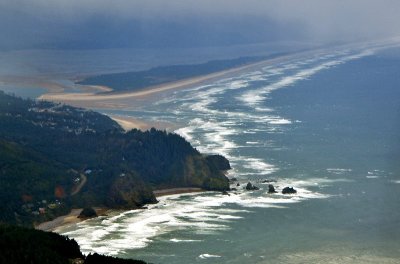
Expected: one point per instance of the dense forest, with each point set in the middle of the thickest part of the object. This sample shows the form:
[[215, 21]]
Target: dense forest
[[164, 74], [22, 245], [54, 157]]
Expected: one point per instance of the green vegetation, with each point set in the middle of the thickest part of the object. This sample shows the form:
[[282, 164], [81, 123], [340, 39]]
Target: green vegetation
[[54, 157], [164, 74], [24, 245]]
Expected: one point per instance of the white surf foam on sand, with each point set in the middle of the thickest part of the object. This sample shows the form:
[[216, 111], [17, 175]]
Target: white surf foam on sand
[[198, 212]]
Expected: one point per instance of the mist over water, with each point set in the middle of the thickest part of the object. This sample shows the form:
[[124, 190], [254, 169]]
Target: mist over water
[[326, 124]]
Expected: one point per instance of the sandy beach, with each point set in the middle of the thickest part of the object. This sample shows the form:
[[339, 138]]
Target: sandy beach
[[128, 123], [123, 100], [69, 219], [72, 217]]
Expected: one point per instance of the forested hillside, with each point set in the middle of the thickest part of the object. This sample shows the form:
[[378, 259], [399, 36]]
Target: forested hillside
[[54, 157], [22, 245]]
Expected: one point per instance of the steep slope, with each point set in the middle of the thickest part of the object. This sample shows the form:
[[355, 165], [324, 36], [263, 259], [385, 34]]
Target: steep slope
[[46, 148], [23, 245]]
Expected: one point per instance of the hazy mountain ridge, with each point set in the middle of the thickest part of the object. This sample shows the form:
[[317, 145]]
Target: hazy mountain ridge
[[48, 150]]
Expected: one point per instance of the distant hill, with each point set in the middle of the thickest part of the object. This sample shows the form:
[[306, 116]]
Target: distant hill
[[54, 157], [131, 81]]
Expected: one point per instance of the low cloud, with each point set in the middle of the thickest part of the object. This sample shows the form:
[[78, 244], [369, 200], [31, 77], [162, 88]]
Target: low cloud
[[100, 23]]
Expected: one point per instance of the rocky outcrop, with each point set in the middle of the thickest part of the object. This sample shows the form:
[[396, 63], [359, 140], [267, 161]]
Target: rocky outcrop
[[130, 192], [87, 212], [288, 190], [200, 172], [219, 162], [251, 187], [271, 189]]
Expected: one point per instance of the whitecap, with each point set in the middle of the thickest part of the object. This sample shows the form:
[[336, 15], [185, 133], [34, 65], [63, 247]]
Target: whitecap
[[176, 240], [281, 121], [205, 256], [338, 171]]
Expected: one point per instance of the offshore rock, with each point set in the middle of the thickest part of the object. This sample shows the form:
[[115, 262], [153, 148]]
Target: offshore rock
[[87, 212], [251, 187], [271, 189], [289, 190]]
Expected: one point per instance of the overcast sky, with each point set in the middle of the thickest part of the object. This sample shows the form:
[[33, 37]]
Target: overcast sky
[[186, 23]]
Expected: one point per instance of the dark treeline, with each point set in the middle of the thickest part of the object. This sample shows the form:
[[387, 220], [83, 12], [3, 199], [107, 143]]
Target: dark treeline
[[22, 245]]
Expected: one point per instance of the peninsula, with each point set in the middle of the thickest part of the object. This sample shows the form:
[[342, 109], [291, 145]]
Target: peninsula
[[57, 157]]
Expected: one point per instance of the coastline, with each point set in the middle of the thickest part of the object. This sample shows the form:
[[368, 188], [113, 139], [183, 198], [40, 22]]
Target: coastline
[[129, 123], [173, 191], [123, 100], [72, 217], [69, 219]]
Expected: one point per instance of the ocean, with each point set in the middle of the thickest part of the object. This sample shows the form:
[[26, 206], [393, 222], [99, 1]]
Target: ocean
[[326, 124]]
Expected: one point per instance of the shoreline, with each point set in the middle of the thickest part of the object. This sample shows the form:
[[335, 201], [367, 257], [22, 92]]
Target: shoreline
[[173, 191], [123, 100], [69, 219], [128, 123], [72, 217]]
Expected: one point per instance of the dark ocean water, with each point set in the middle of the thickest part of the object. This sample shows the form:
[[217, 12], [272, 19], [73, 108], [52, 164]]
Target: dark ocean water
[[327, 124]]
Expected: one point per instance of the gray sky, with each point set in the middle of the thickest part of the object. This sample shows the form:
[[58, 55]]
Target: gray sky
[[183, 23]]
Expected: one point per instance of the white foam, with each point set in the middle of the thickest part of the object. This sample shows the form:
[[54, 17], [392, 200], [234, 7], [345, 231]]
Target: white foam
[[263, 109], [175, 240], [185, 132], [338, 171], [205, 256], [281, 121], [258, 165], [254, 97], [199, 213]]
